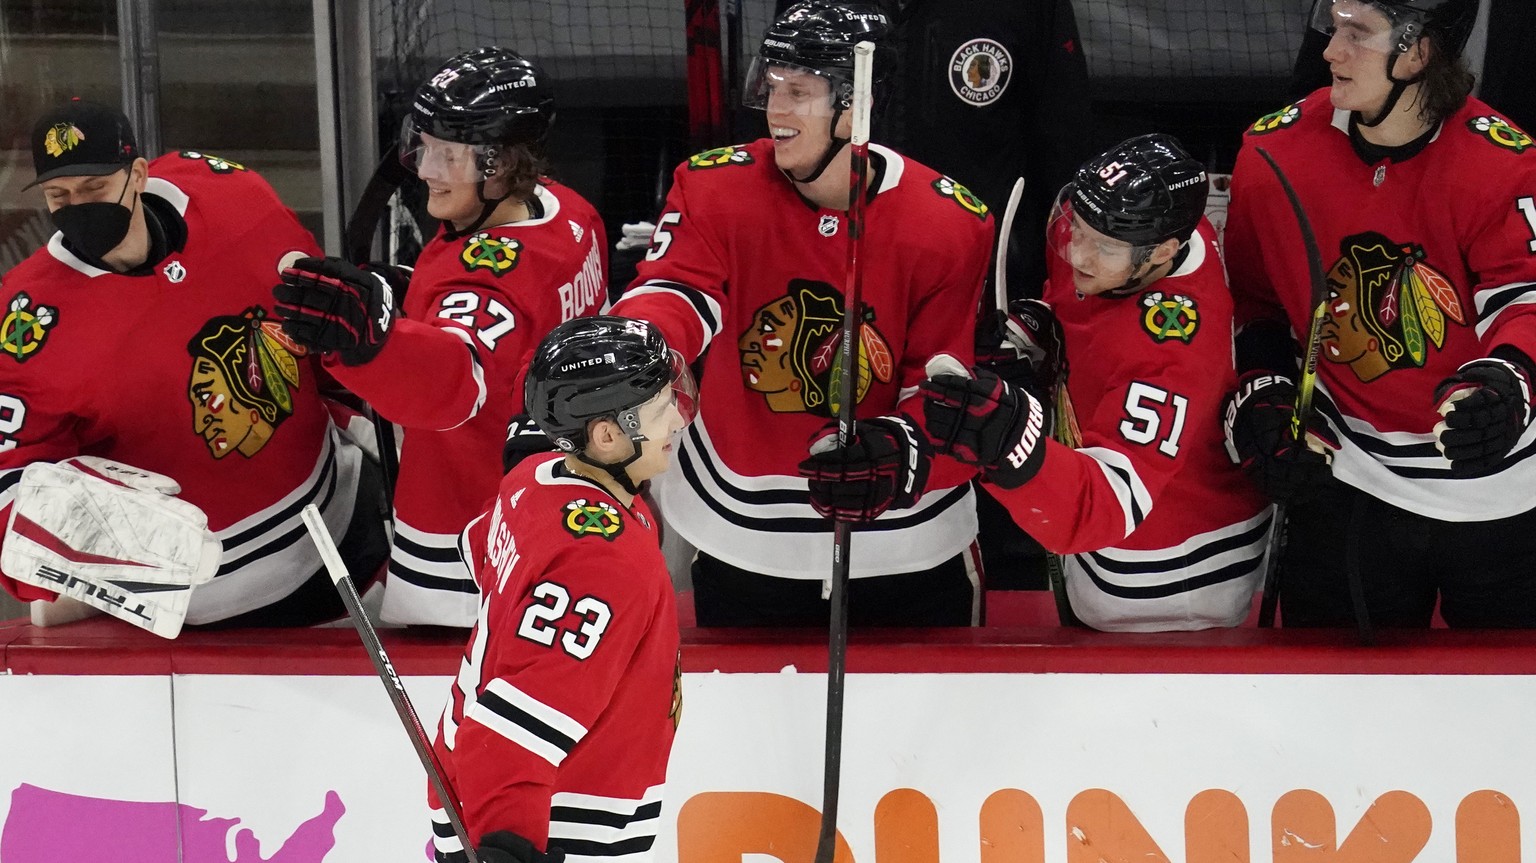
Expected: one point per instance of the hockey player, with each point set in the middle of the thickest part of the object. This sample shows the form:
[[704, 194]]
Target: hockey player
[[1422, 203], [139, 338], [517, 254], [1157, 529], [748, 260], [557, 731]]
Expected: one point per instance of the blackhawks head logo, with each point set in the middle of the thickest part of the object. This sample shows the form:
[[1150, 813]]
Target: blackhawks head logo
[[1385, 307], [718, 157], [62, 138], [961, 195], [245, 371], [791, 352], [1169, 316], [593, 519], [24, 328], [485, 252]]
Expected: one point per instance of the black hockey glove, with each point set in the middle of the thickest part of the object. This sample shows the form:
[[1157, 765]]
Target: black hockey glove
[[1024, 347], [886, 467], [329, 305], [523, 439], [1257, 422], [507, 847], [988, 423], [1486, 405]]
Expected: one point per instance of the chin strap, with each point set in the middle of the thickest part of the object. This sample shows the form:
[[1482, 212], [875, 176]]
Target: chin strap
[[1392, 98], [836, 146], [618, 470], [489, 207]]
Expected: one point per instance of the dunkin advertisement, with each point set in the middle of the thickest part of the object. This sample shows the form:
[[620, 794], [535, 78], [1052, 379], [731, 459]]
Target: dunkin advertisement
[[958, 768]]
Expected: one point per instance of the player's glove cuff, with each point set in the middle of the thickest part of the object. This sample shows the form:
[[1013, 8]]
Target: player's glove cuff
[[884, 467], [1487, 407]]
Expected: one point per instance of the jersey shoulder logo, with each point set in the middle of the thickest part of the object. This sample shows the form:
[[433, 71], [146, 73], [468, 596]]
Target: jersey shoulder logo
[[24, 328], [967, 199], [485, 252], [1276, 121], [1169, 316], [718, 157], [216, 164], [245, 372], [1500, 132], [979, 71], [582, 518]]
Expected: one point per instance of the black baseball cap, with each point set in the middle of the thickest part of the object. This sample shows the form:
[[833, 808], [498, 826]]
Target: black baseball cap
[[81, 139]]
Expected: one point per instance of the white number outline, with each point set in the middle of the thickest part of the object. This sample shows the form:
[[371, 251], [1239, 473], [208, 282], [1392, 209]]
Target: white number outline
[[1143, 422], [460, 307], [540, 620], [13, 414], [662, 240], [1527, 206]]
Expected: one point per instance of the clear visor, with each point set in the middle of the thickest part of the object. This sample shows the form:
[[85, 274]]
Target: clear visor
[[1085, 249], [685, 390], [444, 161], [1362, 24], [783, 88]]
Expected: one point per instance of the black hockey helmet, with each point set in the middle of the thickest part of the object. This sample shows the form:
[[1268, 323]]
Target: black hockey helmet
[[1143, 191], [818, 36], [1449, 22], [486, 96], [601, 367]]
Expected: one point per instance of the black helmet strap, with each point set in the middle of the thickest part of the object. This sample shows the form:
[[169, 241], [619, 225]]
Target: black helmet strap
[[834, 146], [488, 206]]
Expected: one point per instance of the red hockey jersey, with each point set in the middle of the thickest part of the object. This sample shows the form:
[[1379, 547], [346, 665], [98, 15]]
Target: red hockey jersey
[[562, 715], [184, 371], [1431, 263], [1160, 528], [495, 292], [742, 264]]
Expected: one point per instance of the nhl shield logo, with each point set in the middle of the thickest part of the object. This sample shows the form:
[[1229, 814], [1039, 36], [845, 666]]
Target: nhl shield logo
[[979, 71], [828, 225], [175, 272]]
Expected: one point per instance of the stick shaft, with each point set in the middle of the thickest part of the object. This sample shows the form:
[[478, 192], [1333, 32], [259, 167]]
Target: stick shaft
[[847, 395], [387, 675]]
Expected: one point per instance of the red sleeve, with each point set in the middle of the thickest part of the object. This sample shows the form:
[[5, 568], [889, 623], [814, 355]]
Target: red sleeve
[[1253, 294], [1094, 496], [437, 372], [540, 699], [1501, 255], [680, 286]]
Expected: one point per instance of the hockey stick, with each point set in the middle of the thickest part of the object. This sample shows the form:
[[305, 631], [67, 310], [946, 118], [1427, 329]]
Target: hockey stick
[[1000, 258], [847, 385], [387, 675], [1303, 414], [357, 248]]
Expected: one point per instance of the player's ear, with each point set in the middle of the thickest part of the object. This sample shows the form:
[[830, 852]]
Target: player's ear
[[1164, 252], [138, 173], [603, 436]]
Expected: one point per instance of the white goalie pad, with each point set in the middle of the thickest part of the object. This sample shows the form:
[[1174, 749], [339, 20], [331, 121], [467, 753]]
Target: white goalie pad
[[112, 537]]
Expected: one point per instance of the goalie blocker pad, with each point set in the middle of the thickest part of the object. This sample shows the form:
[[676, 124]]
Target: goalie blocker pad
[[110, 536]]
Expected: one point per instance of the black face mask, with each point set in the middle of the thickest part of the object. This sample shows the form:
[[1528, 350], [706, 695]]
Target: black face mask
[[96, 227]]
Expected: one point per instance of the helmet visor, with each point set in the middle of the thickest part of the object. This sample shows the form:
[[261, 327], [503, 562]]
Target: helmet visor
[[1364, 25], [685, 390], [444, 161], [1085, 249], [784, 88]]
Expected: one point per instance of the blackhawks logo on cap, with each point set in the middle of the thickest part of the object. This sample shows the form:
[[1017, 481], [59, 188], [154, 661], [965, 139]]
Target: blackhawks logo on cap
[[1500, 132], [593, 519], [485, 252], [961, 195], [62, 138], [24, 328], [1169, 316], [719, 156]]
